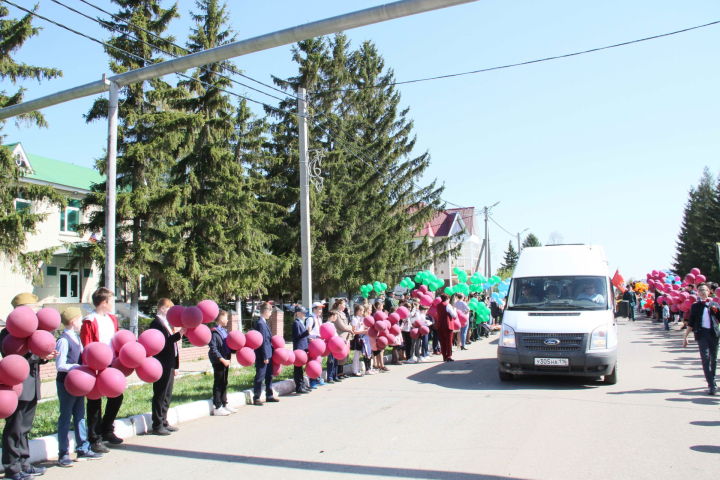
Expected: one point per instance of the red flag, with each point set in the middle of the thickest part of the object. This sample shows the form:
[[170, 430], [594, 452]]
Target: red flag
[[618, 281]]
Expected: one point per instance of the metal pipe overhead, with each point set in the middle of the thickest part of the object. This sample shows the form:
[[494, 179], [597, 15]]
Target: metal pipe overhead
[[287, 36]]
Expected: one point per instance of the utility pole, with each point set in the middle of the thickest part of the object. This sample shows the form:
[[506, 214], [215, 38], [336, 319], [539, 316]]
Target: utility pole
[[486, 213], [518, 239], [304, 201], [110, 199]]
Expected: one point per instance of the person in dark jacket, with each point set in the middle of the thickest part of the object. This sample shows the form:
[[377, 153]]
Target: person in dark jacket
[[169, 358], [220, 354], [263, 358], [705, 325], [300, 342], [15, 444]]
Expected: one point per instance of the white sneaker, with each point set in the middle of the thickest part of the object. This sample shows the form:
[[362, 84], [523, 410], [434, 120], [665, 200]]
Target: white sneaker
[[230, 409], [220, 412], [412, 360]]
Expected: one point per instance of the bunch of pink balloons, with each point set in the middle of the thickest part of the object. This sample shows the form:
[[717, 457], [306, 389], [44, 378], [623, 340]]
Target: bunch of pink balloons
[[194, 320], [29, 331], [671, 292], [384, 328], [96, 378], [14, 369], [245, 354], [424, 295]]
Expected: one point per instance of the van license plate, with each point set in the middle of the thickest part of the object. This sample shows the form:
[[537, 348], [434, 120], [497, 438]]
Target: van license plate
[[552, 362]]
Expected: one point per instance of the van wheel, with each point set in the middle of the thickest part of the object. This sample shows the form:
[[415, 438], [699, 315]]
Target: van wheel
[[612, 378], [505, 377]]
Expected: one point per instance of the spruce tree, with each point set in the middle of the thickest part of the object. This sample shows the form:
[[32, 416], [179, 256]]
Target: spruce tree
[[17, 224], [531, 241], [509, 261]]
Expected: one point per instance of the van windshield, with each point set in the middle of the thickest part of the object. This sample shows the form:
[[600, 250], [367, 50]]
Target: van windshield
[[559, 293]]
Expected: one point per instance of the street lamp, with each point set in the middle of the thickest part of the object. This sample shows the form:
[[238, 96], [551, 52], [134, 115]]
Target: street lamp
[[518, 238]]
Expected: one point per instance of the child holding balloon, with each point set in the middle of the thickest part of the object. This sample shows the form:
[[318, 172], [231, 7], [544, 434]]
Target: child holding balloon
[[220, 354]]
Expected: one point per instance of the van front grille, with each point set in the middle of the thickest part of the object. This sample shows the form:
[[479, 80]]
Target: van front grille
[[551, 342]]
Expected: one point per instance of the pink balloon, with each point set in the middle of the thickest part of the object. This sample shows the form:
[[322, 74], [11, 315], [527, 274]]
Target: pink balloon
[[98, 356], [690, 278], [120, 338], [235, 340], [111, 382], [327, 330], [291, 359], [48, 319], [426, 300], [382, 325], [21, 322], [423, 288], [15, 346], [95, 393], [209, 310], [662, 274], [390, 338], [8, 402], [253, 339], [402, 312], [174, 315], [18, 389], [313, 369], [280, 355], [394, 318], [395, 330], [41, 343], [372, 332], [455, 324], [14, 369], [424, 330], [301, 358], [463, 317], [417, 324], [414, 333], [199, 336], [276, 369], [699, 278], [192, 317], [119, 366], [342, 354], [336, 344], [437, 301], [695, 271], [277, 341], [150, 370], [153, 341], [381, 343], [245, 356], [132, 354], [380, 315], [369, 321], [327, 350]]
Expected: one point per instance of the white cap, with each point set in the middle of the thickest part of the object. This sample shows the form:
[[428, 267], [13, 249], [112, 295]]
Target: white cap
[[318, 304]]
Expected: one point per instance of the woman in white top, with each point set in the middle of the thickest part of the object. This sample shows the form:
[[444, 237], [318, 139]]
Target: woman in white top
[[360, 339]]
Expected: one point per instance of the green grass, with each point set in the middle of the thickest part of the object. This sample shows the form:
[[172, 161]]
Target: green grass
[[137, 399]]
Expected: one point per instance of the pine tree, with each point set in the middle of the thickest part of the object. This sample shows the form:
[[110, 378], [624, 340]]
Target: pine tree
[[150, 135], [509, 262], [531, 241], [700, 229], [17, 224]]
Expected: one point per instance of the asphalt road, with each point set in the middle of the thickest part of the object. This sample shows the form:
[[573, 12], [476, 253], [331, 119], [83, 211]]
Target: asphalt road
[[457, 421]]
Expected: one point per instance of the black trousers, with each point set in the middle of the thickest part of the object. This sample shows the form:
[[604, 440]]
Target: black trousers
[[162, 394], [299, 378], [15, 447], [407, 344], [99, 424], [263, 371], [220, 383], [708, 345]]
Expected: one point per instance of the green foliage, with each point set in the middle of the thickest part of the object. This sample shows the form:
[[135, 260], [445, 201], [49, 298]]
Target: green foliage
[[509, 261], [531, 241], [700, 229]]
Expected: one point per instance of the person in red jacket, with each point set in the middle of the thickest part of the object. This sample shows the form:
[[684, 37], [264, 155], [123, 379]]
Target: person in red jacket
[[100, 326], [445, 313]]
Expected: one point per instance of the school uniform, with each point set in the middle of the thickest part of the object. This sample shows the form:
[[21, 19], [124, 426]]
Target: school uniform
[[300, 342], [169, 358], [263, 371], [218, 349]]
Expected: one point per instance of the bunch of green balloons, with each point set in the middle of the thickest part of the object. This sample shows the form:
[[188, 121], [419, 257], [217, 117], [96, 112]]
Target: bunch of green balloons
[[427, 278], [407, 283], [365, 290], [461, 274], [482, 312], [463, 288]]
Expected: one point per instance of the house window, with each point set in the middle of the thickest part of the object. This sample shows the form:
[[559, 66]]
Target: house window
[[22, 205], [69, 285], [70, 216], [51, 271]]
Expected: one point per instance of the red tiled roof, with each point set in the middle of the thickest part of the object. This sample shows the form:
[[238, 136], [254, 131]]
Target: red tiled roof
[[441, 225]]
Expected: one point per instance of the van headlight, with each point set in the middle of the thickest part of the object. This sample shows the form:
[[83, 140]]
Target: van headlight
[[507, 337], [599, 338]]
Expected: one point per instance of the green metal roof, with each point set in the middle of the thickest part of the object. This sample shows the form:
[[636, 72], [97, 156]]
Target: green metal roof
[[62, 173]]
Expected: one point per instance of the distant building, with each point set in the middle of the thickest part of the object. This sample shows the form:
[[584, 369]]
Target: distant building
[[61, 282], [446, 224]]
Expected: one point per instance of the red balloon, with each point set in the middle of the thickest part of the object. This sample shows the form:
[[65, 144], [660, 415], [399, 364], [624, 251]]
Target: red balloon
[[192, 317], [14, 369], [235, 340], [150, 370], [276, 369], [414, 333], [119, 366], [253, 339], [120, 338], [174, 315], [316, 348], [209, 310], [245, 356], [277, 341], [313, 369], [132, 354], [48, 319], [395, 330], [153, 341], [369, 321], [381, 343], [380, 315], [21, 322], [97, 355], [199, 336], [336, 344], [301, 358], [15, 346], [327, 330], [280, 355], [111, 382], [41, 343], [8, 402], [403, 312], [424, 330]]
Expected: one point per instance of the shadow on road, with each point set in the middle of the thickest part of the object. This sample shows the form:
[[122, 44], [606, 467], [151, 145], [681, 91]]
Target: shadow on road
[[304, 466], [706, 448], [706, 423]]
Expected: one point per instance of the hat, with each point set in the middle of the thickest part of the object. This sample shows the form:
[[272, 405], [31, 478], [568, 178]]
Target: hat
[[70, 314], [318, 304], [24, 299], [300, 309]]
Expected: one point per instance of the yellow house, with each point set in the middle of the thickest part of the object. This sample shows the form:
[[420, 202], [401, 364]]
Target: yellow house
[[61, 282]]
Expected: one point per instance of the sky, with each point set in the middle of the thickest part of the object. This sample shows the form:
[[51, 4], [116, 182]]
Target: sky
[[599, 148]]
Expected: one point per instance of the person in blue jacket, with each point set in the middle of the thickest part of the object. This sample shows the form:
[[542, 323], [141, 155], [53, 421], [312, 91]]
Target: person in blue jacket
[[300, 342], [219, 354], [263, 358]]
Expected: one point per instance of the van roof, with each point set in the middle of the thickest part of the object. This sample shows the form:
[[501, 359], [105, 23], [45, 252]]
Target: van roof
[[558, 260]]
